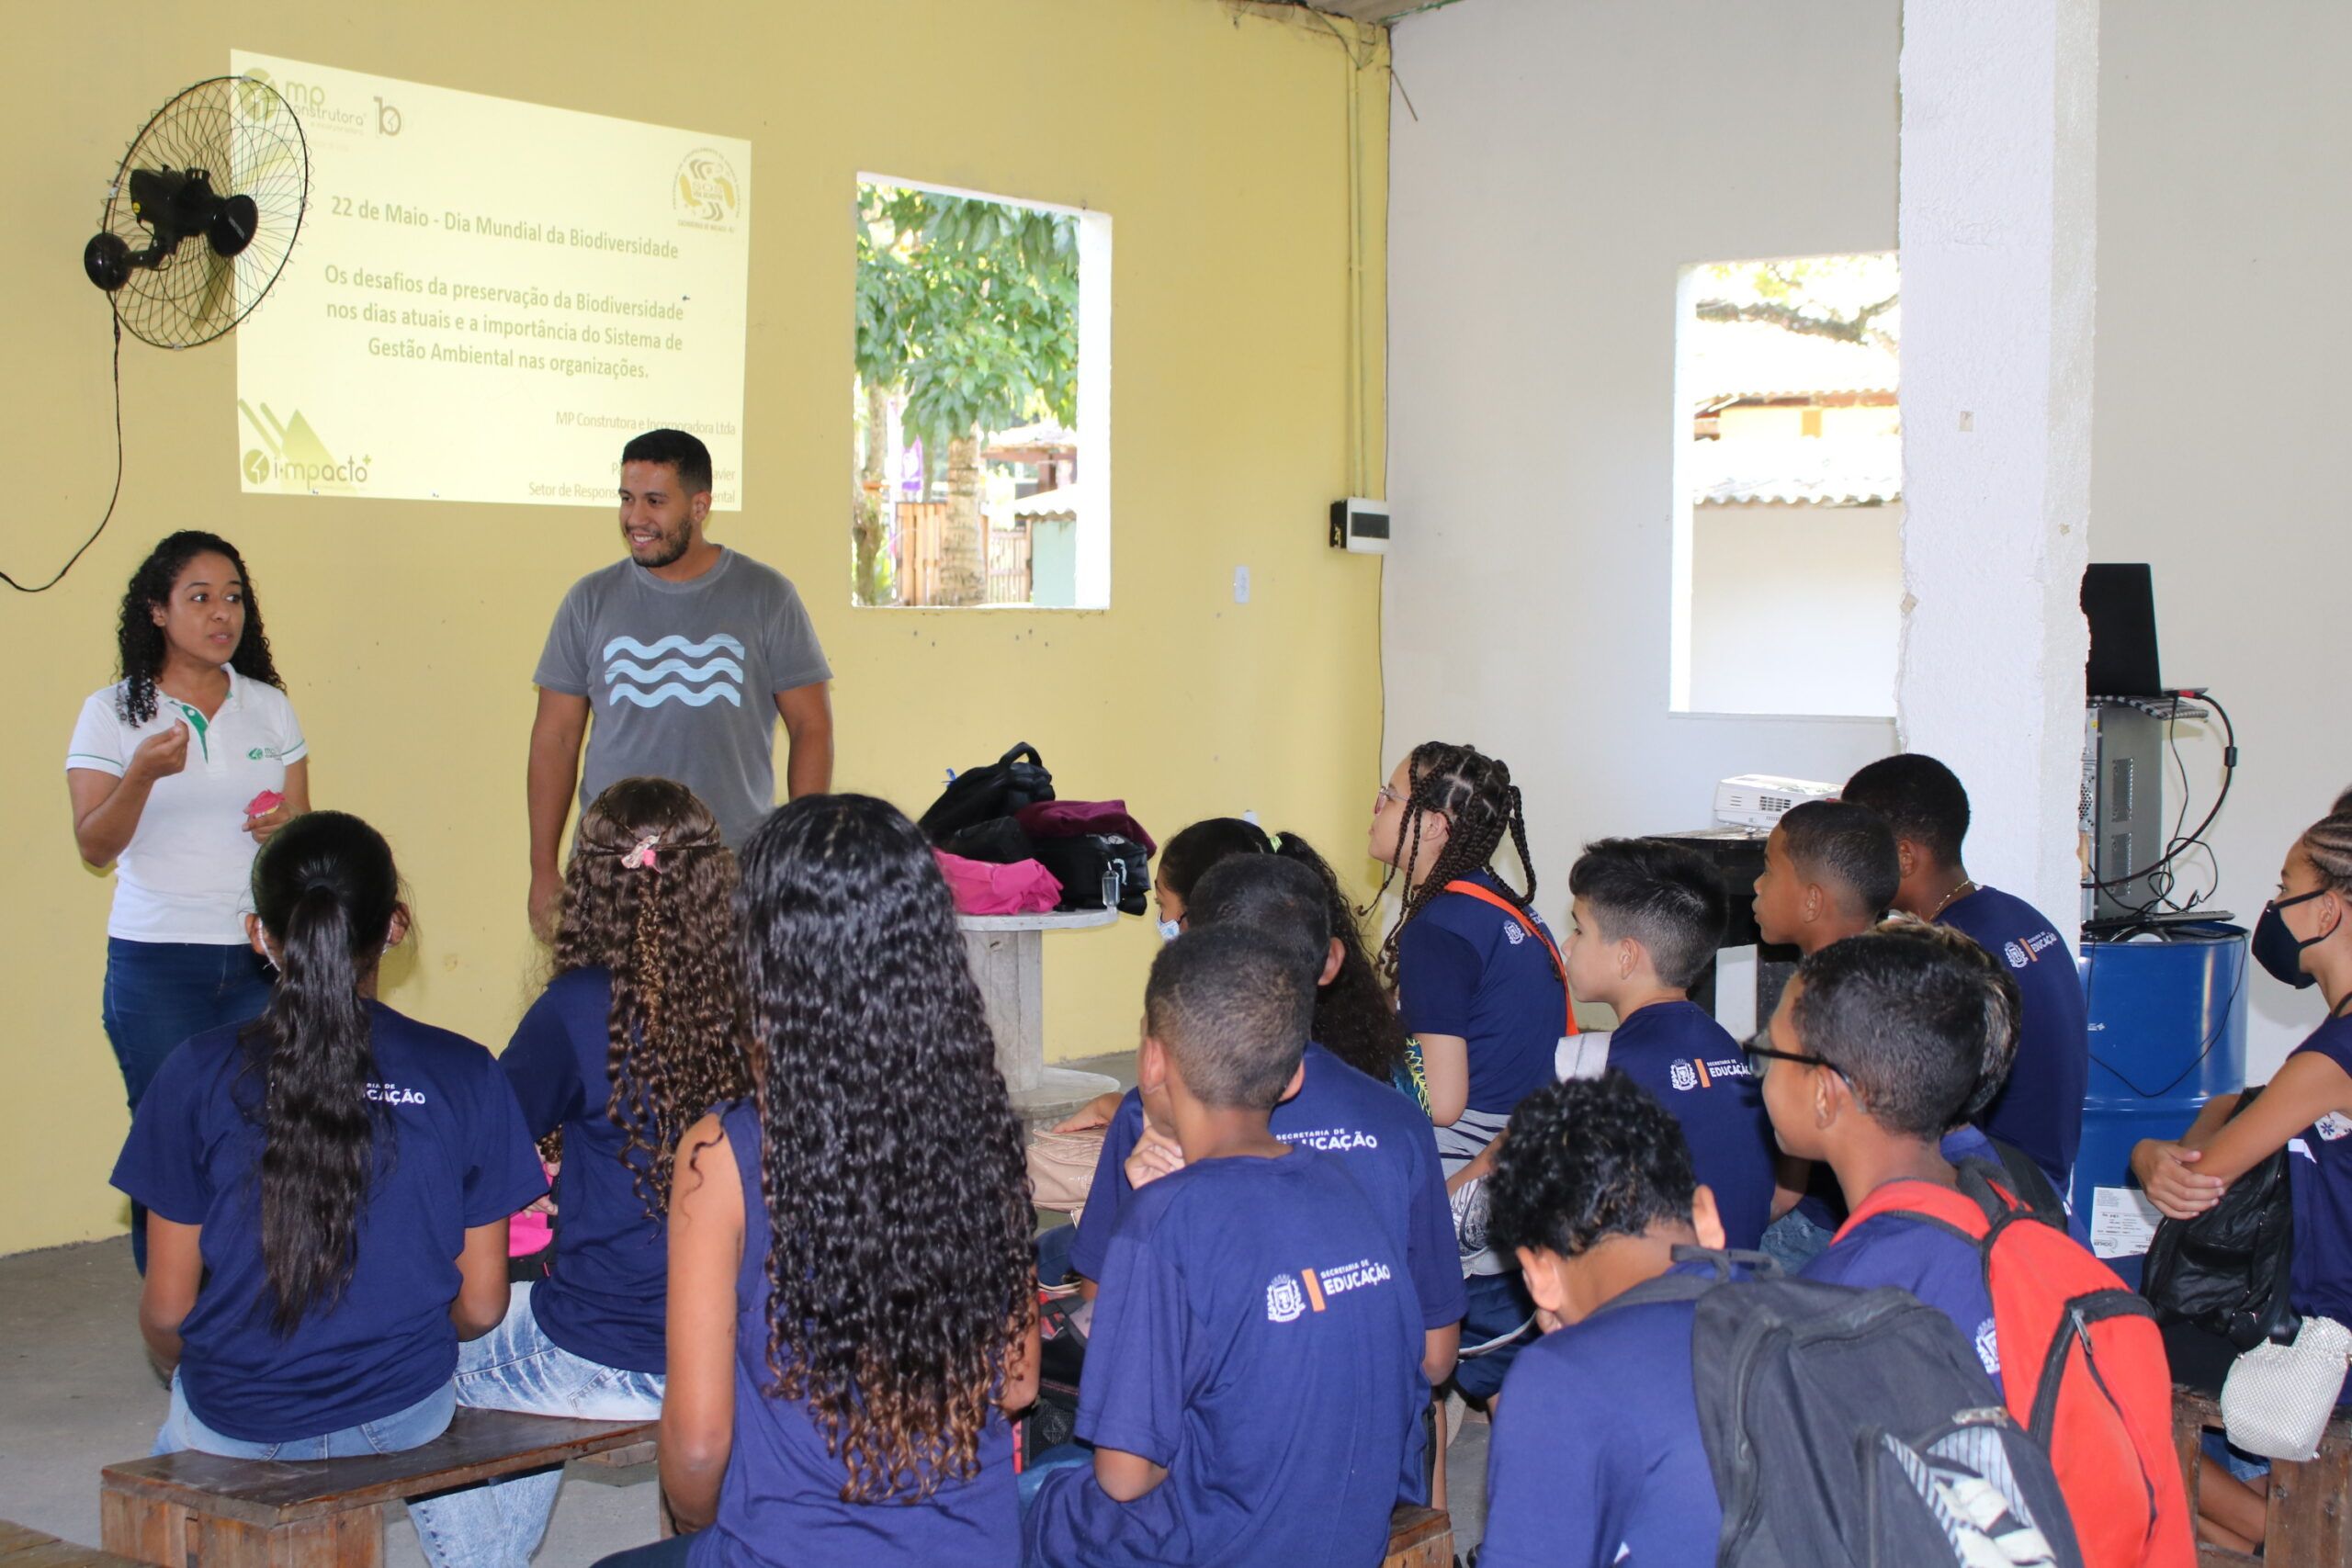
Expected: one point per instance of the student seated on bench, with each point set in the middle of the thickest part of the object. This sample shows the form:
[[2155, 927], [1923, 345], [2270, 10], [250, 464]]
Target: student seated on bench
[[328, 1186], [1831, 871], [1382, 1136], [853, 1304], [2040, 1110], [1252, 1389], [1596, 1456], [1647, 919]]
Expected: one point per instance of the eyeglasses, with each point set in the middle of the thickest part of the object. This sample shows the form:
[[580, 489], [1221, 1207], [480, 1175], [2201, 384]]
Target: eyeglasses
[[1755, 1046], [1386, 798]]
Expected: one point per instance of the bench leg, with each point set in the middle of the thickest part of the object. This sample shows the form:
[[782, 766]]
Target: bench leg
[[145, 1529], [353, 1539], [2310, 1511]]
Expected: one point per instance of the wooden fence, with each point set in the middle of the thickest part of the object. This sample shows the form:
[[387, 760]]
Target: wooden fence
[[918, 548]]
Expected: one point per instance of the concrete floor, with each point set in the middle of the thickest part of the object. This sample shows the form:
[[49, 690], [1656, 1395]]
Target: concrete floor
[[76, 1394]]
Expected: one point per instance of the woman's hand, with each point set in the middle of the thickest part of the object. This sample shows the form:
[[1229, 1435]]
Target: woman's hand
[[269, 821], [1155, 1154], [1095, 1113], [2167, 1172], [161, 755]]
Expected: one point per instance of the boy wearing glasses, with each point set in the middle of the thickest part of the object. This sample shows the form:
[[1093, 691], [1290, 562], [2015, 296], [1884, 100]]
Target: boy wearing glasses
[[1879, 1044], [1648, 915]]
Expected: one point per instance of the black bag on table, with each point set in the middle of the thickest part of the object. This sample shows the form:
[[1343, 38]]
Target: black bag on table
[[995, 789], [998, 840], [2228, 1271], [1098, 871]]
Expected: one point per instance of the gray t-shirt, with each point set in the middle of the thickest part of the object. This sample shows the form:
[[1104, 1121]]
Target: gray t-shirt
[[680, 677]]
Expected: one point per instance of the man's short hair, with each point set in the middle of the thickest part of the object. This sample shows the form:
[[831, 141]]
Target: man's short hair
[[1663, 895], [1587, 1158], [1847, 847], [1909, 1022], [1282, 900], [1921, 799], [681, 451], [2004, 1009], [1234, 1011]]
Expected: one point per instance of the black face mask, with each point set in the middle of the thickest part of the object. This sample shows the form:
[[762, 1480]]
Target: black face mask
[[2275, 948]]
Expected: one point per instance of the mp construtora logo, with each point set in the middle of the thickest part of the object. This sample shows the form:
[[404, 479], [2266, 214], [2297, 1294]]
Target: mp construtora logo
[[707, 194], [289, 456]]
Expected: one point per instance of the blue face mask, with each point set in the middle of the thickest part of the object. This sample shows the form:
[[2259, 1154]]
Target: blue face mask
[[2277, 950], [1171, 929]]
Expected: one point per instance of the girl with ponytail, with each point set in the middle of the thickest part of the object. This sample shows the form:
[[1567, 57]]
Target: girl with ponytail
[[328, 1185], [1480, 986], [853, 1305], [640, 1032]]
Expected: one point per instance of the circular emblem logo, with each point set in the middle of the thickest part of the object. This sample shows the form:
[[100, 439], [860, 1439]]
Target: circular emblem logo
[[2017, 955], [705, 192], [1284, 1299]]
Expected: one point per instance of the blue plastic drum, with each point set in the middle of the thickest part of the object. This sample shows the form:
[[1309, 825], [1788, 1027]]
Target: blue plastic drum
[[2167, 1028]]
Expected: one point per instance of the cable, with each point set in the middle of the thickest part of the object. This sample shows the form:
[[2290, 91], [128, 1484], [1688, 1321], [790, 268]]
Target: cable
[[2204, 1051], [2229, 775], [117, 477]]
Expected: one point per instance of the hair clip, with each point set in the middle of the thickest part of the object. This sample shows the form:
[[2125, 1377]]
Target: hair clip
[[643, 854]]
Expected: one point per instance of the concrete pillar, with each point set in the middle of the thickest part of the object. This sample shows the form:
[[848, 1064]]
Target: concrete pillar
[[1998, 229]]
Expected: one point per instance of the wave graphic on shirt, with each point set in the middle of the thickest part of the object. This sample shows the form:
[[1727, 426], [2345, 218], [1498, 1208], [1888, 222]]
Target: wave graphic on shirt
[[635, 672]]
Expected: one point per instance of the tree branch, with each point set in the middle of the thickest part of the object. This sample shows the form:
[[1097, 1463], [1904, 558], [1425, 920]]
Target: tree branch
[[1856, 328]]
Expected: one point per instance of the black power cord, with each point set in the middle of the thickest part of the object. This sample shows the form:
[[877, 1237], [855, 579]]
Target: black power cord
[[2180, 846], [117, 477]]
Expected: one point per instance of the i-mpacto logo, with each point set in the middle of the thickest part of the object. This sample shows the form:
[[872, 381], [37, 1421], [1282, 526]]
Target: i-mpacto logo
[[261, 468], [310, 101], [705, 194]]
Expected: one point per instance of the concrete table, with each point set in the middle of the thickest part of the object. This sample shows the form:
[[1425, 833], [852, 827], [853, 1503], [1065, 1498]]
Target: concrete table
[[1008, 955]]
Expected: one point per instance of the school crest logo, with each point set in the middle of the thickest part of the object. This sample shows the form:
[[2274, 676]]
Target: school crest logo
[[1513, 934], [1682, 1074], [2332, 1126], [1285, 1300], [1988, 1348], [2016, 954]]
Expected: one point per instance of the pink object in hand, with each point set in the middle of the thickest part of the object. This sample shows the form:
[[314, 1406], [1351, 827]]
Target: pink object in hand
[[264, 803]]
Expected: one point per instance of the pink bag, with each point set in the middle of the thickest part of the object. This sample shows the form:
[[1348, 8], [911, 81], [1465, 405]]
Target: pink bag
[[1069, 818], [1024, 888]]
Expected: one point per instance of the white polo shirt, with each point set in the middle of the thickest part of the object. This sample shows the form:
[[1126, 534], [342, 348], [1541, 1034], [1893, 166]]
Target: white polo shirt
[[184, 875]]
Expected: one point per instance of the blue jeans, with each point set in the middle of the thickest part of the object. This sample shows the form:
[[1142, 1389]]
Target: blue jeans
[[673, 1553], [1793, 1240], [159, 993], [1498, 1304], [516, 1367], [402, 1429]]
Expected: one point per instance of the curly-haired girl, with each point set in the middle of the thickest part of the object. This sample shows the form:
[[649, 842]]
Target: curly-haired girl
[[329, 1184], [176, 773], [637, 1036], [852, 1300]]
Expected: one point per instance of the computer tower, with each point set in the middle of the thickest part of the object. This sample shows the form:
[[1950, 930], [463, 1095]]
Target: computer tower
[[2122, 807]]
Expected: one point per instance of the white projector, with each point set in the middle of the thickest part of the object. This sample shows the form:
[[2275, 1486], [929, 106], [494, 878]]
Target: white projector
[[1759, 800]]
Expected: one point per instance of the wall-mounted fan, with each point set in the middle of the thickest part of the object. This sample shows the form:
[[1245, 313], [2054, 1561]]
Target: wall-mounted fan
[[203, 212], [198, 222]]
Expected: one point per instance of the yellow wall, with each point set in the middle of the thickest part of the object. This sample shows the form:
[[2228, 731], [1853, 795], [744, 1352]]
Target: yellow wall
[[1214, 136]]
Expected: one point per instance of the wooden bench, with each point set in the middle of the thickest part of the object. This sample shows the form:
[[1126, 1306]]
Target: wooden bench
[[2308, 1521], [25, 1548], [1419, 1538], [193, 1510]]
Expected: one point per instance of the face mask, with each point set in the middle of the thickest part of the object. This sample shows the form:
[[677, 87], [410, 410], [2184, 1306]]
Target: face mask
[[2277, 949], [1171, 929]]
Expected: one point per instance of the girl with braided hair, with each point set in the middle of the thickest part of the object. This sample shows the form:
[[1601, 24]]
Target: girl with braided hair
[[1479, 985], [638, 1033], [852, 1302]]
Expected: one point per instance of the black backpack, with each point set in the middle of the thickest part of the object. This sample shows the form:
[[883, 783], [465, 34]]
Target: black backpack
[[2228, 1271], [1856, 1429], [1098, 871], [995, 789]]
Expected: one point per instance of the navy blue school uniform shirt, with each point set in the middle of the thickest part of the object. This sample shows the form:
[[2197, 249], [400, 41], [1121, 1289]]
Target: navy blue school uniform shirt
[[1596, 1457], [603, 1299], [1692, 1065], [1257, 1338], [1385, 1142], [1466, 968], [2319, 1187], [1911, 1253], [2040, 1111], [780, 1502], [451, 1154]]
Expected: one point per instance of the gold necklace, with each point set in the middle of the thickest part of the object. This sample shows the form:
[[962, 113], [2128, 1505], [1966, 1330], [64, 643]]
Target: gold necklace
[[1965, 885]]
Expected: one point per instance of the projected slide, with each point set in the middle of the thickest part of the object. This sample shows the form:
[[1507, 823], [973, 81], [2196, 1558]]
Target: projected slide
[[490, 297]]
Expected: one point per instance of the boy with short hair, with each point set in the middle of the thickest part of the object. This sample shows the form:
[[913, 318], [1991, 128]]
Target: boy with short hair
[[1596, 1456], [1386, 1141], [1830, 871], [1252, 1389], [1647, 917], [2040, 1110]]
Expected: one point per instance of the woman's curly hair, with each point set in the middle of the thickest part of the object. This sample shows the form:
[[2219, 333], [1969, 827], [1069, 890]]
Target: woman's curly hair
[[900, 1274], [138, 641], [1474, 793], [650, 895]]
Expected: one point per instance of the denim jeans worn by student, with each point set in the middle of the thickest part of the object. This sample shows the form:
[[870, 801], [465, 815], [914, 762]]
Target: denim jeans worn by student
[[1793, 1240], [402, 1429], [1500, 1316], [516, 1367], [159, 993]]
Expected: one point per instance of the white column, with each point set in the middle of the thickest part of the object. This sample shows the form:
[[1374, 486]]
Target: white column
[[1998, 229]]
